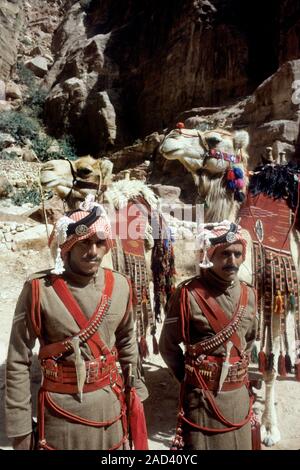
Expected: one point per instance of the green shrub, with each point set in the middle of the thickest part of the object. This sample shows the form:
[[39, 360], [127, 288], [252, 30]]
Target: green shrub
[[35, 101], [25, 75], [26, 195], [18, 125], [41, 145], [67, 147], [36, 95]]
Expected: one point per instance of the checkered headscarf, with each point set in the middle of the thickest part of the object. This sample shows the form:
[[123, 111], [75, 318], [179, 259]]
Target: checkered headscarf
[[212, 235], [65, 234]]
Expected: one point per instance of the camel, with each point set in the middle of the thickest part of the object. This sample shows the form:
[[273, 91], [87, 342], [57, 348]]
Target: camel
[[137, 227], [210, 156]]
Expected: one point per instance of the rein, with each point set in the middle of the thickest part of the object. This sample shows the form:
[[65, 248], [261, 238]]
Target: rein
[[80, 184]]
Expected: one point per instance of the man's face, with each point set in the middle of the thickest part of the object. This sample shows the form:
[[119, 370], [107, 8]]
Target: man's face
[[86, 255], [227, 260]]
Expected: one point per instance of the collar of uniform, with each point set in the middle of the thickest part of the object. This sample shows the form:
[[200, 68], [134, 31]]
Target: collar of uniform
[[79, 280], [215, 282]]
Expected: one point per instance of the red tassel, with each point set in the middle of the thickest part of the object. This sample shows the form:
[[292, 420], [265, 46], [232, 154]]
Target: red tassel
[[230, 176], [137, 422], [262, 361], [144, 351], [255, 433], [297, 370], [281, 365], [155, 345]]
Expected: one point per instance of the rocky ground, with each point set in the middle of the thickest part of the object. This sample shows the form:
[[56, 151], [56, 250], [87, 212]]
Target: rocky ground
[[161, 406]]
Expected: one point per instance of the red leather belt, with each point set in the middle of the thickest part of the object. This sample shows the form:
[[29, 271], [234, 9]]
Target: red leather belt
[[210, 369], [61, 376]]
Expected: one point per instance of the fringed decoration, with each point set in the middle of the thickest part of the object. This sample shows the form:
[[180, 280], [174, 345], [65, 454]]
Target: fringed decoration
[[278, 303], [254, 354], [270, 362], [143, 347], [277, 181], [262, 362], [288, 363], [292, 303], [162, 265], [134, 295], [281, 365]]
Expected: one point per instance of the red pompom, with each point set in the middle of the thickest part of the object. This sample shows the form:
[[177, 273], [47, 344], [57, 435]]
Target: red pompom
[[230, 176], [180, 125]]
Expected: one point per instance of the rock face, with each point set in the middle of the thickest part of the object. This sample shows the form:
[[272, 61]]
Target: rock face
[[10, 24], [135, 65]]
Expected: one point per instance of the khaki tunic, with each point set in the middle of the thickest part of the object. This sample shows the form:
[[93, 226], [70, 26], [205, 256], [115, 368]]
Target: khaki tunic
[[233, 404], [117, 328]]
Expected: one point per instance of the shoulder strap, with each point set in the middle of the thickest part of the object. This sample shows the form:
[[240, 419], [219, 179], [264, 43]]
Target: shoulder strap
[[88, 331], [35, 313], [216, 316]]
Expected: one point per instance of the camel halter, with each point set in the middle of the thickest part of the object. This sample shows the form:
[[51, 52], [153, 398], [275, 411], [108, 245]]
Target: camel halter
[[80, 184], [210, 153], [234, 176]]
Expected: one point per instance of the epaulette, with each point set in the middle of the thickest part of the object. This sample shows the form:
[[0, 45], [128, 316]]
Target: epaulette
[[119, 273], [185, 282], [39, 275], [248, 284]]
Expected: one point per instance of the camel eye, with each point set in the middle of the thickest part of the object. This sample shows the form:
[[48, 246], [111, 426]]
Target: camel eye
[[82, 172], [213, 140]]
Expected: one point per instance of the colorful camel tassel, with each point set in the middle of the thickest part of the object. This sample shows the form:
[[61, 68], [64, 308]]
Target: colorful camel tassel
[[143, 347], [262, 361], [281, 365]]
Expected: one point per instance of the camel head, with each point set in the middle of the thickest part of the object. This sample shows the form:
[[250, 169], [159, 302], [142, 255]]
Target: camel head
[[76, 178], [217, 160]]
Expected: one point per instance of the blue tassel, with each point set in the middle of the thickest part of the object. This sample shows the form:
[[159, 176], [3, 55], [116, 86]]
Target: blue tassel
[[238, 172]]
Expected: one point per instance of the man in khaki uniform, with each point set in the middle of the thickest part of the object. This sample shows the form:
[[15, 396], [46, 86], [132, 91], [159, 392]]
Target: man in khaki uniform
[[82, 315], [214, 315]]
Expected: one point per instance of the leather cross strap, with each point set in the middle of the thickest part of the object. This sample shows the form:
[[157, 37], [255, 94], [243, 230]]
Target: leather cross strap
[[88, 327], [224, 327]]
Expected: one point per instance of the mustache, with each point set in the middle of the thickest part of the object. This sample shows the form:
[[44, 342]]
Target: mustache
[[230, 268], [93, 258]]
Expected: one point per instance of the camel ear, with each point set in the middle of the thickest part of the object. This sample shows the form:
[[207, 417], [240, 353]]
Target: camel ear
[[240, 140], [106, 168]]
